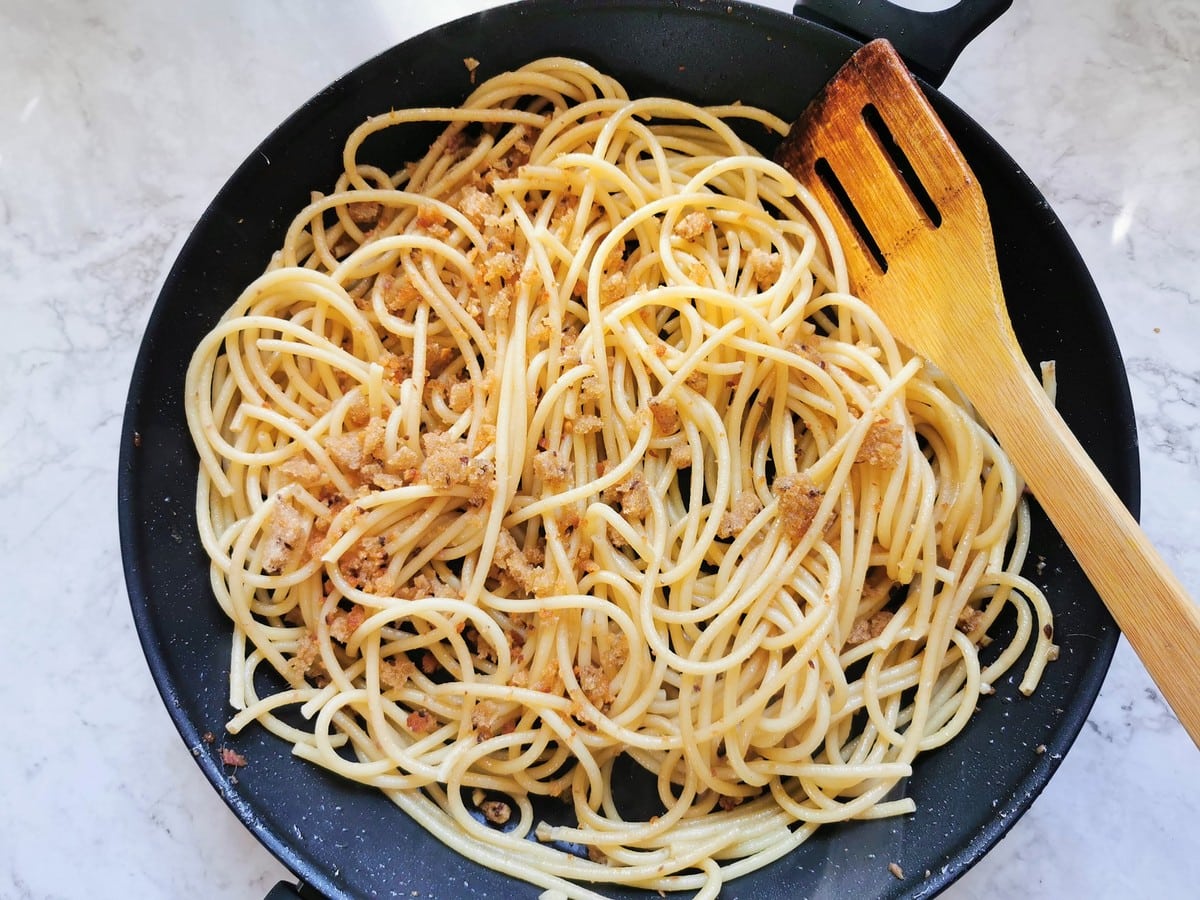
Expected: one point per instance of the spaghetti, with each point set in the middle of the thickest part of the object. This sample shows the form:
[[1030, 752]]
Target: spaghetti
[[568, 443]]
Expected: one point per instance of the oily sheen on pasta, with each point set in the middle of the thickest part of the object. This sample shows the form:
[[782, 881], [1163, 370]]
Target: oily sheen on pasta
[[568, 442]]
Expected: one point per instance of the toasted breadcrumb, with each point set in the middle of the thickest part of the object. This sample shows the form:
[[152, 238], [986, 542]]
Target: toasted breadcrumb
[[450, 462], [591, 388], [343, 624], [595, 684], [882, 444], [346, 450], [666, 415], [745, 507], [478, 205], [635, 498], [496, 811], [681, 452], [799, 501], [364, 565], [632, 494], [306, 660], [614, 287], [395, 673], [364, 213], [501, 266], [969, 619], [613, 658], [396, 368], [512, 560], [693, 225], [299, 470], [420, 721], [431, 219], [869, 628], [488, 719], [554, 472], [461, 395], [549, 681], [286, 529], [373, 436], [422, 586], [587, 424], [398, 294], [405, 462], [437, 357], [765, 267], [359, 412]]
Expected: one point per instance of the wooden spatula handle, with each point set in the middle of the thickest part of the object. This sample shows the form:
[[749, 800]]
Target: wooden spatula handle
[[1151, 606]]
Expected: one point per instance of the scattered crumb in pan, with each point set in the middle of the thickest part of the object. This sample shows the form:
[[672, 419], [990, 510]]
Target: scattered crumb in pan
[[897, 872], [472, 64], [496, 811], [231, 757]]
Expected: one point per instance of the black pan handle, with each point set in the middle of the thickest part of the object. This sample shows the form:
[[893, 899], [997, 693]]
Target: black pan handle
[[285, 890], [929, 41]]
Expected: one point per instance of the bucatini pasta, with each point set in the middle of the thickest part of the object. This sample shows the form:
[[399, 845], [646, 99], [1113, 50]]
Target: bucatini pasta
[[568, 442]]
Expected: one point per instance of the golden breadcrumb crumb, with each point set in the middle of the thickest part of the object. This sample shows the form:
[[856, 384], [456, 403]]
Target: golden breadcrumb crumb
[[496, 811], [395, 673], [553, 471], [343, 624], [882, 444], [693, 225], [300, 470], [596, 686], [869, 628], [364, 212], [420, 722], [346, 450], [488, 719], [286, 529], [745, 507], [665, 414], [765, 267], [799, 500]]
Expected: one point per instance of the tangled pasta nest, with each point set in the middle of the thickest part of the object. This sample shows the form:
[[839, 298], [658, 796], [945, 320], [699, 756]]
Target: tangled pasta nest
[[568, 442]]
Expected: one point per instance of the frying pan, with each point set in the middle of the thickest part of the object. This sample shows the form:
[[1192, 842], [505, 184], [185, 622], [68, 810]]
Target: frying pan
[[341, 839]]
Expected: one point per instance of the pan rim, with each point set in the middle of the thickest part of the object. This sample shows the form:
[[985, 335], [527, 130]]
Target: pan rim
[[963, 856]]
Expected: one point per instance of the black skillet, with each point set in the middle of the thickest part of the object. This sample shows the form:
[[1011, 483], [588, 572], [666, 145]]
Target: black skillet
[[343, 840]]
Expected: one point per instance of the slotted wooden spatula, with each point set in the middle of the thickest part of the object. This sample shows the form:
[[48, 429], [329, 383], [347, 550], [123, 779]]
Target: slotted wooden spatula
[[915, 230]]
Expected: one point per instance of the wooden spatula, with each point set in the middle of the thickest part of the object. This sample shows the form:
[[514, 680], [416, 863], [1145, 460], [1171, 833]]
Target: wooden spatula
[[915, 230]]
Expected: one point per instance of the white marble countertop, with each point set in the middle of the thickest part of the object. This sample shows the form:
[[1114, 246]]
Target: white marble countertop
[[118, 123]]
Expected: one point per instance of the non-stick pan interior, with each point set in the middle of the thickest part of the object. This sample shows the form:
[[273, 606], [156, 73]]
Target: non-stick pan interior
[[347, 840]]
